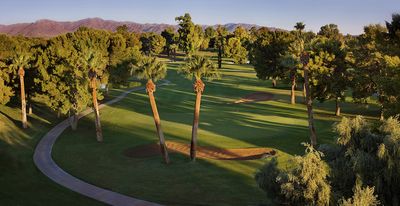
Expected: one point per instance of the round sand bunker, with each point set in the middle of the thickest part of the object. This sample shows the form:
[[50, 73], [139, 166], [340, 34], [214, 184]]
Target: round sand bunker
[[202, 152], [255, 97]]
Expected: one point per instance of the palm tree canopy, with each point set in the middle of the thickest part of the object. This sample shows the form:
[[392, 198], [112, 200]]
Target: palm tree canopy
[[150, 68], [300, 26], [20, 58], [200, 66]]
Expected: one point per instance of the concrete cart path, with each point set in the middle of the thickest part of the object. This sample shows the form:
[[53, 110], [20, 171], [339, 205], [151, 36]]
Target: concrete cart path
[[43, 160]]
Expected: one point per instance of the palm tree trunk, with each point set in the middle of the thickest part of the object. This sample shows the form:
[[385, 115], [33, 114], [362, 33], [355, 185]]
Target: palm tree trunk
[[199, 88], [150, 88], [219, 57], [313, 136], [99, 133], [24, 119], [273, 82], [304, 93], [292, 93], [337, 113]]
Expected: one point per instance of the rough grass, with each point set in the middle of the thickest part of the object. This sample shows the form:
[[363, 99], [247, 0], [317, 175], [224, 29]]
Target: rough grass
[[276, 124]]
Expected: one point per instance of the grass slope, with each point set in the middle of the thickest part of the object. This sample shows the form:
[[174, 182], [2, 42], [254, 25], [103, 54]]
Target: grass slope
[[21, 183], [276, 124]]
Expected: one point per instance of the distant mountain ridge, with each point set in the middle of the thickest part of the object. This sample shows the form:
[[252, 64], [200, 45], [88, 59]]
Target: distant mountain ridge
[[49, 28]]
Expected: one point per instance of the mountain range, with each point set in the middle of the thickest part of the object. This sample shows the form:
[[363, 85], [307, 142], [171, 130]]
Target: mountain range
[[49, 28]]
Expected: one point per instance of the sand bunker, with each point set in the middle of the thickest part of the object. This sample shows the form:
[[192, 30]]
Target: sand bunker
[[255, 97], [202, 152]]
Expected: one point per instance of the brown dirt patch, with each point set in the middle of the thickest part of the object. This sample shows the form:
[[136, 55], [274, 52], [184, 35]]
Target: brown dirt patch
[[202, 152], [255, 97]]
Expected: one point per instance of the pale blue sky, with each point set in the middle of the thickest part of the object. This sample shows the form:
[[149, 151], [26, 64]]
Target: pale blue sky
[[350, 15]]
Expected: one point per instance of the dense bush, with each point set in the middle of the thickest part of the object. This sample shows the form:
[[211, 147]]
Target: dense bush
[[362, 168]]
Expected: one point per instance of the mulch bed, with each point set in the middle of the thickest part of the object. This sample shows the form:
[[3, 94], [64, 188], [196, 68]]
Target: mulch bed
[[150, 150], [255, 97]]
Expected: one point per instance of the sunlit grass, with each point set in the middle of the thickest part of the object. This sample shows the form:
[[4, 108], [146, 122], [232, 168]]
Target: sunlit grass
[[276, 124]]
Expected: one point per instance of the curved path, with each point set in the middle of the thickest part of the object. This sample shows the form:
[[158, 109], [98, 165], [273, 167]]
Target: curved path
[[43, 160]]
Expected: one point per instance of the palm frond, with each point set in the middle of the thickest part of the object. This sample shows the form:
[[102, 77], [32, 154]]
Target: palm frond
[[149, 68], [198, 67]]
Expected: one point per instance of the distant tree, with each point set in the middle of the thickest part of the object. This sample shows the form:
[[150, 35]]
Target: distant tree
[[235, 50], [198, 67], [291, 61], [241, 33], [393, 27], [329, 31], [123, 30], [209, 34], [267, 51], [148, 68], [121, 55], [190, 35], [300, 26], [152, 43], [170, 39], [220, 42]]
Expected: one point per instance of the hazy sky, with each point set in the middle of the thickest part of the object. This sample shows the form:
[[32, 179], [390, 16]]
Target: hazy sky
[[350, 15]]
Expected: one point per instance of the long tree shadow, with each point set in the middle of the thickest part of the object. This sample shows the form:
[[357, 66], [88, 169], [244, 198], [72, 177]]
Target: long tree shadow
[[110, 169]]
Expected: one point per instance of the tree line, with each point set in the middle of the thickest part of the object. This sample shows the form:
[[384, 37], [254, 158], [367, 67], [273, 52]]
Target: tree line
[[67, 71], [71, 72]]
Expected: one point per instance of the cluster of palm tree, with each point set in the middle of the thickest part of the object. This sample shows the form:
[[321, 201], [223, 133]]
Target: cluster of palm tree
[[197, 68]]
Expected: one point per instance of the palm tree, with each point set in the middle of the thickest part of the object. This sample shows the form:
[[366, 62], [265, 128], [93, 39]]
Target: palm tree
[[95, 63], [289, 61], [198, 67], [300, 26], [20, 61], [150, 69]]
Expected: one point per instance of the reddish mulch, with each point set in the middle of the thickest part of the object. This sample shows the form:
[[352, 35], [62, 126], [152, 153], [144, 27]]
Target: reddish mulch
[[255, 97], [202, 152]]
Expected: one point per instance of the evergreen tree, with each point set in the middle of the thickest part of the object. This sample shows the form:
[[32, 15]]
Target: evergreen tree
[[152, 43], [170, 38], [220, 42], [235, 50], [190, 35]]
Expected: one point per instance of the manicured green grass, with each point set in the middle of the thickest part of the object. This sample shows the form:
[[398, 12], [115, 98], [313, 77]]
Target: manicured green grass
[[21, 183], [276, 124]]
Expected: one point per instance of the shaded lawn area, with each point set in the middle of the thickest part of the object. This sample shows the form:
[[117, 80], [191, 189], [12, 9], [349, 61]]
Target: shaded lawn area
[[275, 124], [21, 183]]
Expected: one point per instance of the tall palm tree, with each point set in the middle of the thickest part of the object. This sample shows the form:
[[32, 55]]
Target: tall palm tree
[[150, 69], [300, 26], [95, 63], [19, 62], [198, 67]]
